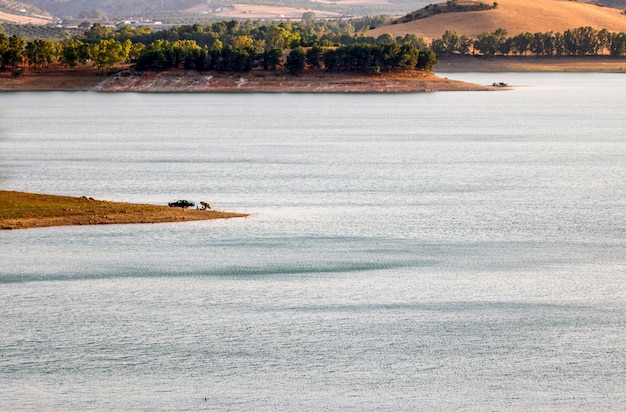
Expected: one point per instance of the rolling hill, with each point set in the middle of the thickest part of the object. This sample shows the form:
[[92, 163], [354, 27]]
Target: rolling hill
[[21, 13], [125, 8], [113, 8], [42, 12], [516, 16], [616, 4]]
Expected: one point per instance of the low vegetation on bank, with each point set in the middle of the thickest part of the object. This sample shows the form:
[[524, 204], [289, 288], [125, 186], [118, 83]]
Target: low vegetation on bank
[[19, 210]]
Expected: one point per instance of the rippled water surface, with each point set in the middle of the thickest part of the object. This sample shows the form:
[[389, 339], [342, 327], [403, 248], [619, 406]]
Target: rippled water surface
[[437, 251]]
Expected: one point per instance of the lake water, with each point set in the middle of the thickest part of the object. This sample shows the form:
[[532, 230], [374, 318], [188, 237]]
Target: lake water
[[435, 251]]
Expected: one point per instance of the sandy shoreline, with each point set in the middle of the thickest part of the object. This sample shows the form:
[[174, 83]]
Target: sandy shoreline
[[472, 64], [20, 210]]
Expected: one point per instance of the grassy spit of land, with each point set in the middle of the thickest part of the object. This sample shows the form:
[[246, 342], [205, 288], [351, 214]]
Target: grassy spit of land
[[20, 210]]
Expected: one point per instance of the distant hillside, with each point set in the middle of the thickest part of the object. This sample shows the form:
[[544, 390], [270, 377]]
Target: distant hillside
[[137, 8], [515, 16], [452, 6], [616, 4], [242, 9], [112, 8]]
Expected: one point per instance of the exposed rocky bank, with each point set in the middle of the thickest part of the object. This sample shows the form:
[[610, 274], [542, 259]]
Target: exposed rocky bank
[[130, 80]]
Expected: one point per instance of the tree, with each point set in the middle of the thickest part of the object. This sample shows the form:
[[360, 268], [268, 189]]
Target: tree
[[240, 42], [332, 60], [231, 59], [385, 57], [186, 52], [96, 33], [504, 47], [70, 52], [538, 44], [549, 41], [94, 14], [559, 44], [580, 41], [384, 38], [135, 50], [12, 50], [450, 42], [308, 16], [427, 59], [618, 44], [277, 38], [271, 59], [521, 43], [39, 52], [314, 57], [296, 60], [412, 40], [438, 47], [4, 47], [487, 44], [408, 57], [465, 44], [603, 41], [108, 53]]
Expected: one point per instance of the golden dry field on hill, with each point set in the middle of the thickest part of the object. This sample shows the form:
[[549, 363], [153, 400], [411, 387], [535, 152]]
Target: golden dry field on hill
[[516, 16]]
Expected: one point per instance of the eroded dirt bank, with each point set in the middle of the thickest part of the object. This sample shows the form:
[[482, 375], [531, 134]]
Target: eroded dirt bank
[[281, 82], [130, 80]]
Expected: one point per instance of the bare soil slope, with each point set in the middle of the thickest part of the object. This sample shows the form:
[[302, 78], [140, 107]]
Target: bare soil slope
[[23, 19], [516, 16]]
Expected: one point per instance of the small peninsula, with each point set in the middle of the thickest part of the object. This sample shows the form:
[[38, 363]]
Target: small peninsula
[[256, 81], [20, 210]]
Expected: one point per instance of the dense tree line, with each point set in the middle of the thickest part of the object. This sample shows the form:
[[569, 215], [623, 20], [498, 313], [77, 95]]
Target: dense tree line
[[163, 55], [39, 53], [333, 45], [582, 41], [226, 46]]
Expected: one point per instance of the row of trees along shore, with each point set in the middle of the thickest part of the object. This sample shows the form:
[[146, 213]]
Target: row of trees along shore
[[582, 41], [334, 45]]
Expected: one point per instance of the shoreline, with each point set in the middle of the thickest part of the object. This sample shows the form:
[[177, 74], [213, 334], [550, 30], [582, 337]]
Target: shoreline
[[190, 81], [313, 81], [23, 210], [521, 64]]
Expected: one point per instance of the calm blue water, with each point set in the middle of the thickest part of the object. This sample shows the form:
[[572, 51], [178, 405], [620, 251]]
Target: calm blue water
[[438, 251]]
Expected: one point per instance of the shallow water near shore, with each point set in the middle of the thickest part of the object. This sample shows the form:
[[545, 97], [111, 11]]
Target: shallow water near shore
[[434, 251]]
